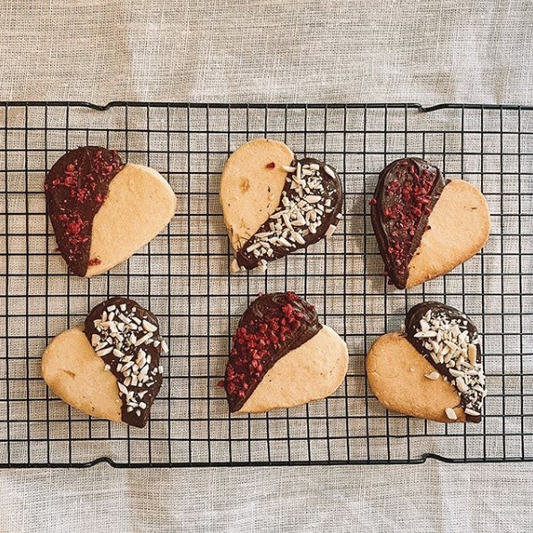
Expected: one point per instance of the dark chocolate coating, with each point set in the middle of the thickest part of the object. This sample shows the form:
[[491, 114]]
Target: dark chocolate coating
[[258, 312], [386, 233], [412, 321], [113, 361], [76, 187], [332, 190]]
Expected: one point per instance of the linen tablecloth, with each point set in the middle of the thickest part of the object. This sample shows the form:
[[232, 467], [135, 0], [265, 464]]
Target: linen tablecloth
[[276, 51]]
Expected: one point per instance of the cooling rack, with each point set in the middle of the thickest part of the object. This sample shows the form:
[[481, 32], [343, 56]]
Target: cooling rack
[[183, 277]]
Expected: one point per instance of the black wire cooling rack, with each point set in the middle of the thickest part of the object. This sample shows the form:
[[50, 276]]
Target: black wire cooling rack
[[183, 277]]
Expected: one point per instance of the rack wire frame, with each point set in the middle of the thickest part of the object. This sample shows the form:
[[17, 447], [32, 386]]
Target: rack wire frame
[[183, 276]]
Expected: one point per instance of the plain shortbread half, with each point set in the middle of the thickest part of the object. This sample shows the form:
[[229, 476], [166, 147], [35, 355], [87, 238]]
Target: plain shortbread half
[[139, 205], [460, 227], [76, 374], [311, 372], [249, 191], [396, 374]]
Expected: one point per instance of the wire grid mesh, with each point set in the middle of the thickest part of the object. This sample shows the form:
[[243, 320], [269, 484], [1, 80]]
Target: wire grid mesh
[[183, 277]]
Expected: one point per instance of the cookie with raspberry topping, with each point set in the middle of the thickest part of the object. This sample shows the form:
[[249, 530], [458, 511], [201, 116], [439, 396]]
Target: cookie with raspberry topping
[[282, 356], [426, 225], [102, 210]]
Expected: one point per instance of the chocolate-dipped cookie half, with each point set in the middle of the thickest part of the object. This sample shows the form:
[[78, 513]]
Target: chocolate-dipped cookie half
[[111, 367], [282, 356], [275, 204], [103, 210], [425, 225], [433, 369]]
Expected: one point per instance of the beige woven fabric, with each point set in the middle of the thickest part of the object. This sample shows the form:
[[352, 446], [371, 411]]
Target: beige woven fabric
[[255, 51], [304, 500]]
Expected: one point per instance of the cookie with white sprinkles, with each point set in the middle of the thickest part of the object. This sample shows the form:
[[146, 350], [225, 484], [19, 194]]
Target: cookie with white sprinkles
[[432, 369], [275, 204], [111, 367]]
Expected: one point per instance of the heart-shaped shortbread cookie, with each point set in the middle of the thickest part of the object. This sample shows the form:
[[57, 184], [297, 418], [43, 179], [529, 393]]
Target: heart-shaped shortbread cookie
[[274, 204], [282, 356], [103, 211], [433, 370], [110, 368], [426, 225]]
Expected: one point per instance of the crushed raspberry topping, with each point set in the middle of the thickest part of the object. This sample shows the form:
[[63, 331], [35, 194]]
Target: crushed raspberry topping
[[74, 228], [406, 194], [272, 326], [76, 187]]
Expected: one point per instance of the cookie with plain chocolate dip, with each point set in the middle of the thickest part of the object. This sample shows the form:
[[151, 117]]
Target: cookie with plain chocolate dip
[[282, 356], [109, 367], [275, 204], [103, 210], [432, 369], [426, 225]]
